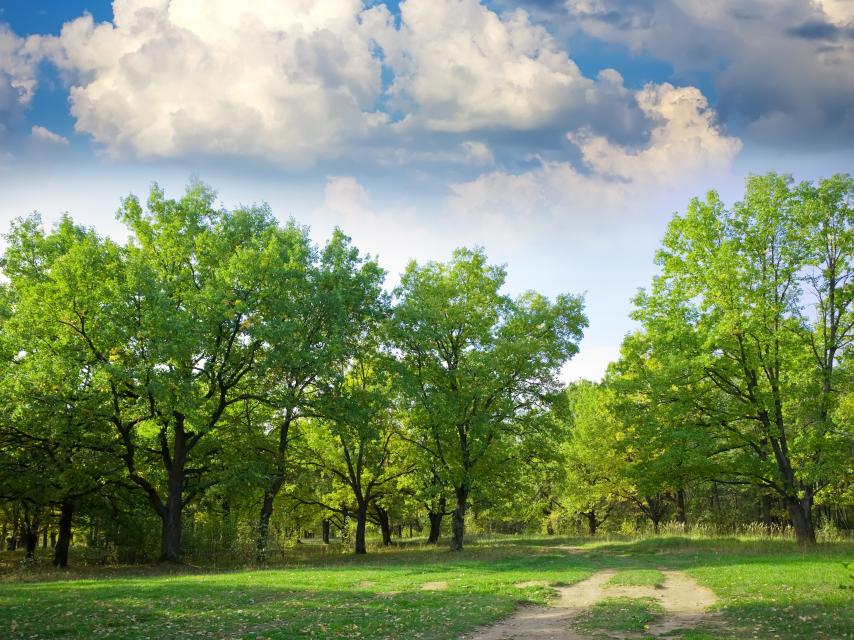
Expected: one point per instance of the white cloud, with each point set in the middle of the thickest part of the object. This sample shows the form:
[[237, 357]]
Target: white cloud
[[840, 12], [46, 135], [289, 82], [460, 66], [685, 143], [302, 81], [686, 140], [18, 69], [476, 152]]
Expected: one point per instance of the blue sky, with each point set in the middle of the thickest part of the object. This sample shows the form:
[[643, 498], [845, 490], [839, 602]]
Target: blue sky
[[561, 135]]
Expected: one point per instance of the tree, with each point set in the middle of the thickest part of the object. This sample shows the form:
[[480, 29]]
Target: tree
[[55, 440], [167, 325], [728, 312], [355, 440], [315, 311], [477, 366], [594, 480]]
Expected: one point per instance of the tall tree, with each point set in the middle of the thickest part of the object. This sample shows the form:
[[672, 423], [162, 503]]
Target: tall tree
[[477, 365], [728, 310], [167, 321], [316, 310], [56, 442]]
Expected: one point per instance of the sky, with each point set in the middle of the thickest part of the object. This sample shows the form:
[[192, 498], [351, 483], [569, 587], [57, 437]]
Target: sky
[[560, 135]]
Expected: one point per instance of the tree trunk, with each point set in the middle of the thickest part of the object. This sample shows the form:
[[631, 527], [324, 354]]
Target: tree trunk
[[680, 508], [804, 532], [274, 486], [385, 525], [264, 527], [435, 527], [458, 519], [325, 526], [435, 519], [766, 514], [361, 520], [60, 552], [31, 541], [170, 541], [592, 523]]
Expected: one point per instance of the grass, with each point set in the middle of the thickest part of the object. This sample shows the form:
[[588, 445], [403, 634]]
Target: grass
[[767, 589], [620, 614], [637, 578]]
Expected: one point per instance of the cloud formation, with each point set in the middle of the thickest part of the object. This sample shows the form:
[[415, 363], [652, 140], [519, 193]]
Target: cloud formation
[[46, 135], [299, 82], [281, 81], [18, 70], [782, 68], [686, 141]]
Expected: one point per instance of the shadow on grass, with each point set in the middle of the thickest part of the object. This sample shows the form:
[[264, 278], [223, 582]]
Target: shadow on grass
[[767, 588]]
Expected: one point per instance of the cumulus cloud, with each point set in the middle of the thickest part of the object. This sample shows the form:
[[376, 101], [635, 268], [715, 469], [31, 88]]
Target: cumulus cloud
[[46, 135], [19, 59], [283, 81], [459, 66], [685, 142], [303, 81], [781, 67]]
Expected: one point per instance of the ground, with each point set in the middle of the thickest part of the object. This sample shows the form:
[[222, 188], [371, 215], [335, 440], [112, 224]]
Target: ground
[[498, 589]]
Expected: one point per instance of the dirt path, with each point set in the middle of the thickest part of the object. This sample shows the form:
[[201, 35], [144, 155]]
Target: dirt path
[[683, 600]]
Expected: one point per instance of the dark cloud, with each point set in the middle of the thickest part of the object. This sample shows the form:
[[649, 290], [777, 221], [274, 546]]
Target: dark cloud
[[816, 30]]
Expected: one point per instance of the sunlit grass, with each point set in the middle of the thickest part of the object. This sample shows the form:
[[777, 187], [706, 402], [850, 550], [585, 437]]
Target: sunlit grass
[[620, 614], [767, 588], [637, 578]]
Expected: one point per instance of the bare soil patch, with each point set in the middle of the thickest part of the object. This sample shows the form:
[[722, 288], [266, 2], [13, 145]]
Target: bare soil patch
[[685, 605], [434, 586]]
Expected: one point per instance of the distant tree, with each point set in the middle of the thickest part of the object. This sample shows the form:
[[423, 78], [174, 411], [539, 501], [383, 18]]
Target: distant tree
[[595, 474], [354, 441]]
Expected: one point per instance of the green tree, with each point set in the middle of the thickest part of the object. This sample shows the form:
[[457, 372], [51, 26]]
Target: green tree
[[355, 441], [595, 478], [315, 313], [729, 313], [56, 442], [477, 366]]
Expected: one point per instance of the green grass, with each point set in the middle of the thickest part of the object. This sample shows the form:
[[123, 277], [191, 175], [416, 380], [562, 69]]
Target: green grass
[[767, 589], [620, 614], [637, 578]]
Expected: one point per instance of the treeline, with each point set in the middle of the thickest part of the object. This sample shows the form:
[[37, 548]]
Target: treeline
[[218, 384], [218, 363], [739, 386]]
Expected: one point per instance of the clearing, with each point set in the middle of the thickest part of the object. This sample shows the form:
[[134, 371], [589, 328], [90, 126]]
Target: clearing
[[501, 588]]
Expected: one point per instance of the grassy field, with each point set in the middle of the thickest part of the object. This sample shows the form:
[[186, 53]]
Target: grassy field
[[767, 589]]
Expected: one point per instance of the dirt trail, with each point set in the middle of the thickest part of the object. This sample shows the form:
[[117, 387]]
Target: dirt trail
[[683, 600]]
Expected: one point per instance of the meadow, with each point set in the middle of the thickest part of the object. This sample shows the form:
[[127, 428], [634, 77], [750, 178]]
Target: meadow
[[766, 588]]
